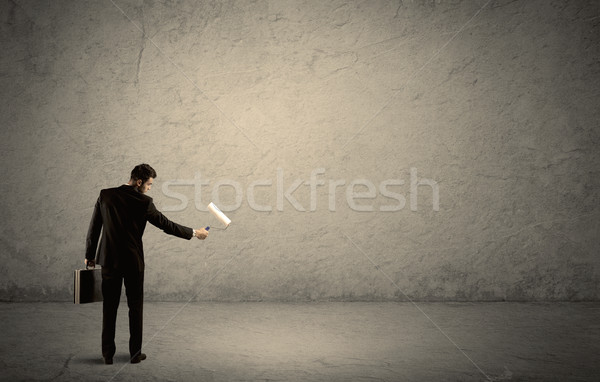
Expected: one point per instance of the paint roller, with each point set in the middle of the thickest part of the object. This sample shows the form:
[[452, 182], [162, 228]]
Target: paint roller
[[219, 215]]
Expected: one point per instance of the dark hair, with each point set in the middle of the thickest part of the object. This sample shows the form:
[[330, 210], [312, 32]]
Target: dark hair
[[143, 172]]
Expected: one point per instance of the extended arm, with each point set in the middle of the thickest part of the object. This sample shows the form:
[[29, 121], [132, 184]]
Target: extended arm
[[157, 219]]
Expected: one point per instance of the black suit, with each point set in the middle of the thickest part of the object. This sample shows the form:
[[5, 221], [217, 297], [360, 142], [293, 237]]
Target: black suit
[[121, 214]]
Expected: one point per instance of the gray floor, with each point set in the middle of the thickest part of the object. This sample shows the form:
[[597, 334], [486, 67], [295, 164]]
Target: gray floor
[[309, 342]]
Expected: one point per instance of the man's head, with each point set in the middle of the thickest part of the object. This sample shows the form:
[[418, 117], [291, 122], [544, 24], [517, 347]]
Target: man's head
[[142, 177]]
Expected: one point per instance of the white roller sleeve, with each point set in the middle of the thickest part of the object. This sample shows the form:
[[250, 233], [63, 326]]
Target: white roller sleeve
[[218, 214]]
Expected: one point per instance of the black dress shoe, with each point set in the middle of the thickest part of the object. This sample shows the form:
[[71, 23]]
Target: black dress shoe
[[108, 361], [138, 358]]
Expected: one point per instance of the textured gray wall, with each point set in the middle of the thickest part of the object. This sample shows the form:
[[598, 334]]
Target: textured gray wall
[[497, 103]]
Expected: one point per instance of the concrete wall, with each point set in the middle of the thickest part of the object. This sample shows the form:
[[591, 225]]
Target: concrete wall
[[493, 107]]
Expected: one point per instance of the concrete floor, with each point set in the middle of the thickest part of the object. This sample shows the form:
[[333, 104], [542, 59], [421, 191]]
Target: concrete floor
[[308, 342]]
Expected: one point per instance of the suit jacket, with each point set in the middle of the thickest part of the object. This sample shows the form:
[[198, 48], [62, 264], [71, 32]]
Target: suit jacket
[[121, 214]]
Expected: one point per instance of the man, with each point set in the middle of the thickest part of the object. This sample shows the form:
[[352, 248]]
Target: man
[[121, 214]]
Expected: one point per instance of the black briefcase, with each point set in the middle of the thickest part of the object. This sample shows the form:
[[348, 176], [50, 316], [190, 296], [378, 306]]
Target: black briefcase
[[88, 286]]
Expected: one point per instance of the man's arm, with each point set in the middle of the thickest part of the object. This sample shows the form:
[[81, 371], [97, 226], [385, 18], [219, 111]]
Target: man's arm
[[157, 219], [91, 242]]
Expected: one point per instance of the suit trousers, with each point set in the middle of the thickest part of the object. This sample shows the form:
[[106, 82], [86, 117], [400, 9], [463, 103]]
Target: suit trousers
[[112, 281]]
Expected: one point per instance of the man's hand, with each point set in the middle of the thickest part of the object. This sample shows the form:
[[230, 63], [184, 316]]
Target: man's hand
[[201, 233], [90, 263]]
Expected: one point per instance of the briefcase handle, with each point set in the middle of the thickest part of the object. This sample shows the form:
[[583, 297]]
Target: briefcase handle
[[88, 267]]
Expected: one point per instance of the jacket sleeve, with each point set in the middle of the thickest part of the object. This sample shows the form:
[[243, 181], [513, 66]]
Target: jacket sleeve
[[157, 219], [93, 234]]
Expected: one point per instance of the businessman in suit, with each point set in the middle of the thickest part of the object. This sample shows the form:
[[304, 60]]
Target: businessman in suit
[[121, 214]]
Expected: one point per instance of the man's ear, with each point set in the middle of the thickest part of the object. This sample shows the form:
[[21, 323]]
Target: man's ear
[[138, 182]]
